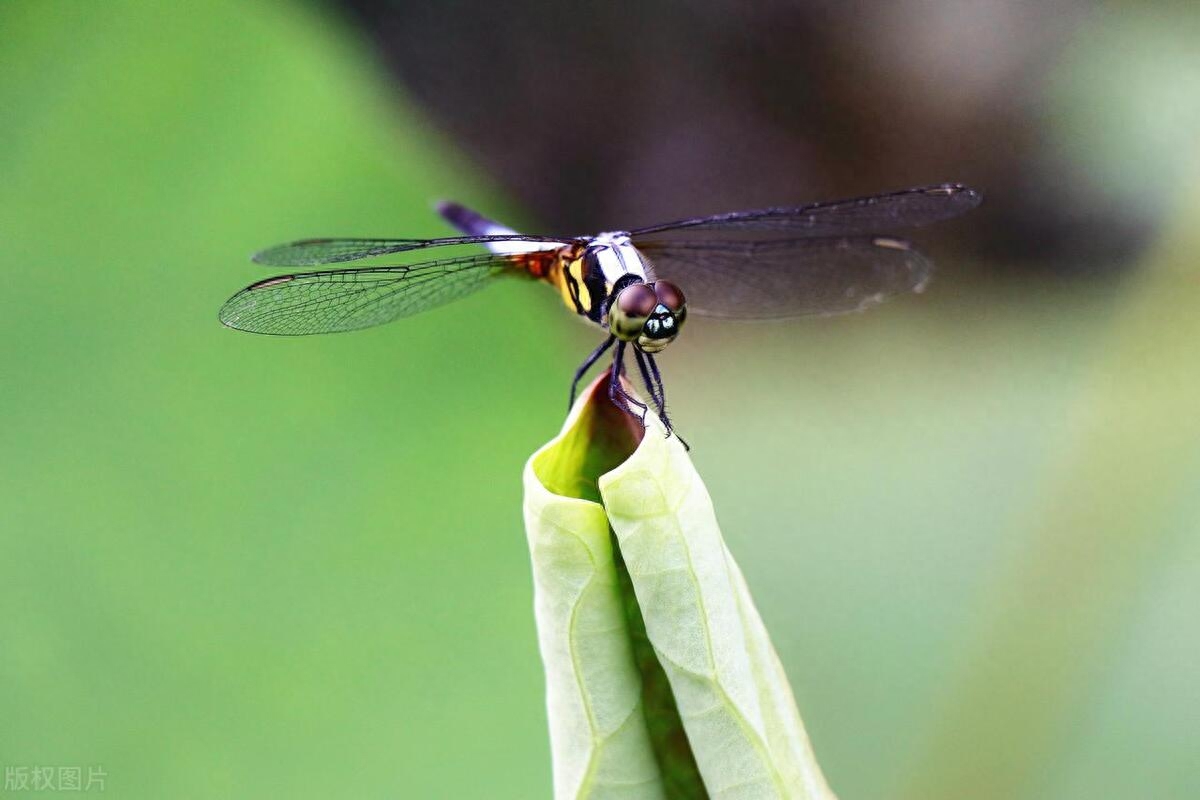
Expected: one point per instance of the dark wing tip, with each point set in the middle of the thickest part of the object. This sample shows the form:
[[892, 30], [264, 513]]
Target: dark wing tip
[[263, 284], [283, 254], [964, 195], [892, 243]]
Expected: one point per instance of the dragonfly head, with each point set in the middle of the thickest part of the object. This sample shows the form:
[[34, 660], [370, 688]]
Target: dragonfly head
[[648, 314]]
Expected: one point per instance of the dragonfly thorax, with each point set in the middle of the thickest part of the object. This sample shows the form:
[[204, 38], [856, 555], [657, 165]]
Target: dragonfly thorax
[[613, 256]]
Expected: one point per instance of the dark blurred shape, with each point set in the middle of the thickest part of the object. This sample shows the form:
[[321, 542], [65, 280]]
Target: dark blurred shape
[[599, 116]]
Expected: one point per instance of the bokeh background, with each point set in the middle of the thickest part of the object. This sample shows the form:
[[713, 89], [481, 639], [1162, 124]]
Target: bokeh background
[[237, 566]]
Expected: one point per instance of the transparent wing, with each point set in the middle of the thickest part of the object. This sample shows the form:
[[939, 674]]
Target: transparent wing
[[862, 216], [349, 299], [789, 278], [313, 252]]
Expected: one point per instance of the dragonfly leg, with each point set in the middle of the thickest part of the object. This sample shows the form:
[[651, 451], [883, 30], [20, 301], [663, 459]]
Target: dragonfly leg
[[661, 398], [621, 398], [655, 389], [658, 381], [647, 380], [586, 365]]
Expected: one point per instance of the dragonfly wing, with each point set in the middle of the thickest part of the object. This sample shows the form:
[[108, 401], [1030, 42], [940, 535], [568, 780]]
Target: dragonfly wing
[[789, 278], [350, 299], [314, 252], [862, 216]]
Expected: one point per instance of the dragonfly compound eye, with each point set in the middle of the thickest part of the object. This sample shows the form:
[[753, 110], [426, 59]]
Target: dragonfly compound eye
[[665, 318], [670, 296], [631, 310]]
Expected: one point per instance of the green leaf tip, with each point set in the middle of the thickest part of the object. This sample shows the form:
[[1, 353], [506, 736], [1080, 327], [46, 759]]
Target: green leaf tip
[[661, 680]]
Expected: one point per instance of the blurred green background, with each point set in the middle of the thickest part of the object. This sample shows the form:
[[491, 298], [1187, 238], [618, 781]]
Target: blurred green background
[[240, 566]]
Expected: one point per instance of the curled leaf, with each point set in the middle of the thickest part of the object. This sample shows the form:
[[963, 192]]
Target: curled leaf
[[661, 679]]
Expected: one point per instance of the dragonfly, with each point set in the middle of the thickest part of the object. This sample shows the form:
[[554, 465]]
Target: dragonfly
[[772, 263]]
